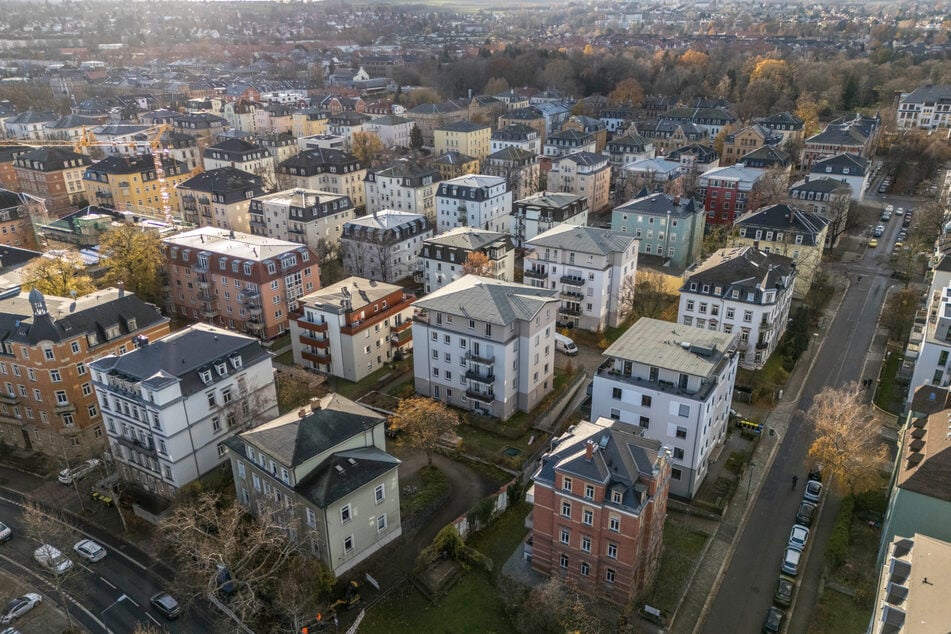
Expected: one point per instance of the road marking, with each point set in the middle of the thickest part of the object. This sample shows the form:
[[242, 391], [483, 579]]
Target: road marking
[[132, 601], [106, 581], [154, 620]]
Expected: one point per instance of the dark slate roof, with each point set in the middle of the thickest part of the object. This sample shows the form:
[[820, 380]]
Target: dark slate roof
[[786, 119], [512, 153], [12, 257], [72, 121], [788, 219], [437, 108], [10, 152], [629, 140], [124, 164], [67, 318], [570, 137], [524, 114], [855, 164], [929, 93], [514, 132], [10, 200], [52, 158], [585, 158], [463, 126], [293, 439], [766, 156], [704, 154], [620, 457], [824, 185], [181, 357], [453, 158], [741, 268], [660, 204], [343, 473], [317, 160], [32, 116], [406, 169], [839, 135], [224, 180]]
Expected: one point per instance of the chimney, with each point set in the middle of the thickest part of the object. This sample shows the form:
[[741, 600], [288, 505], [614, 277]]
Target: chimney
[[121, 287], [589, 450], [314, 403], [677, 200], [301, 413], [792, 214]]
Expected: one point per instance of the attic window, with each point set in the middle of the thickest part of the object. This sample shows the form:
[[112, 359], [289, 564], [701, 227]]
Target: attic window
[[222, 368], [206, 376], [130, 322], [236, 362], [92, 339], [112, 332]]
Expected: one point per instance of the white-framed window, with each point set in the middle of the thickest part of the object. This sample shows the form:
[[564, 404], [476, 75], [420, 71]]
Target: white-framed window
[[345, 514], [589, 491], [612, 550], [348, 544], [563, 560], [565, 484], [609, 575], [380, 493], [585, 569], [565, 536], [614, 524], [311, 518], [587, 517], [566, 509], [586, 544], [381, 523]]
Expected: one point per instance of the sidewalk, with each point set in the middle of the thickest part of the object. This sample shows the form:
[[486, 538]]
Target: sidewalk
[[703, 589]]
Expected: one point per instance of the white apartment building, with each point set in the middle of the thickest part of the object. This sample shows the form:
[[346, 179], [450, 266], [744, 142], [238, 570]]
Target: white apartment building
[[583, 174], [588, 267], [542, 211], [403, 186], [384, 246], [926, 107], [170, 405], [393, 131], [929, 345], [305, 216], [516, 135], [676, 383], [242, 155], [352, 328], [485, 346], [741, 291], [473, 200], [442, 257]]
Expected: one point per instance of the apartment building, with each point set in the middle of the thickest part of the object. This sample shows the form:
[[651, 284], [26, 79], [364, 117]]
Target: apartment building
[[430, 116], [518, 167], [326, 170], [583, 174], [237, 280], [53, 174], [471, 139], [595, 127], [530, 117], [347, 123], [8, 175], [741, 291], [738, 144], [851, 169], [308, 122], [667, 226], [844, 136], [323, 471], [47, 403], [589, 267], [540, 212], [442, 257], [383, 245], [517, 136], [310, 217], [473, 200], [132, 183], [352, 328], [28, 125], [170, 405], [599, 502], [240, 154], [496, 337], [786, 124], [565, 142], [627, 149], [403, 186], [725, 192], [675, 382], [455, 164], [393, 131], [219, 198], [17, 214]]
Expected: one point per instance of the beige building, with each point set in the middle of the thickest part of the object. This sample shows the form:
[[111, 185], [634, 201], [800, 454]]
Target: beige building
[[219, 198], [305, 216], [308, 122], [325, 170], [352, 328], [472, 139], [583, 174], [327, 467]]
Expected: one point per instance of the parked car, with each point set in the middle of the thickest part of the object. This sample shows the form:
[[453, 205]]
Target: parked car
[[773, 621], [873, 243], [20, 606], [791, 559], [52, 559], [899, 212], [815, 473], [785, 586], [166, 604], [807, 511], [89, 550], [68, 476], [879, 230], [798, 536], [890, 208], [6, 533], [813, 491]]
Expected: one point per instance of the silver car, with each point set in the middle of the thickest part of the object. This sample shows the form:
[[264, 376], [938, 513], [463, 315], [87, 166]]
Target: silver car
[[89, 550]]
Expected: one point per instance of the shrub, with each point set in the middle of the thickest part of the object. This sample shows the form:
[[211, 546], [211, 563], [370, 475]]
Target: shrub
[[838, 547]]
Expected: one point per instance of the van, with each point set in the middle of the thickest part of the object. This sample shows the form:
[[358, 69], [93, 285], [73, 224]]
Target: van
[[566, 345], [51, 559]]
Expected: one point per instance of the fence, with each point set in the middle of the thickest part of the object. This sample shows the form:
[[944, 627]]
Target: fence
[[471, 522]]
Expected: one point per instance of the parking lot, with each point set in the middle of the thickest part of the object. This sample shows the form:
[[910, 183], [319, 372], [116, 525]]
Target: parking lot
[[44, 618]]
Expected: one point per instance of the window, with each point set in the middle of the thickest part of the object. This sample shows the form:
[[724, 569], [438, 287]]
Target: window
[[676, 474], [645, 400], [683, 410], [61, 398], [616, 497], [381, 523], [681, 432], [589, 491], [586, 544], [348, 544], [565, 536], [644, 422], [211, 399], [614, 524], [311, 518], [565, 484], [609, 575], [75, 347], [380, 493], [615, 413], [221, 449], [612, 550], [48, 354], [585, 569], [587, 517], [678, 453], [216, 424], [345, 514], [80, 369], [566, 509], [616, 393]]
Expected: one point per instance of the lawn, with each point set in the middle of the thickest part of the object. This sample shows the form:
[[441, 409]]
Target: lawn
[[682, 549], [421, 490], [353, 391], [889, 394], [839, 613]]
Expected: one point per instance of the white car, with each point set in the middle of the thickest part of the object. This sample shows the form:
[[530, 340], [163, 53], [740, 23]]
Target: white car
[[6, 533], [89, 550], [798, 536], [50, 558], [20, 606], [68, 476]]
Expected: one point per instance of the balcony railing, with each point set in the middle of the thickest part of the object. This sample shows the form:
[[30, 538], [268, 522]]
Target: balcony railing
[[210, 312], [762, 345], [255, 311], [572, 281], [316, 358], [200, 267], [256, 326], [248, 294], [480, 358], [401, 338], [311, 326], [485, 397], [64, 407], [9, 398], [565, 310], [572, 295], [535, 273], [765, 325], [400, 327], [137, 445], [480, 378]]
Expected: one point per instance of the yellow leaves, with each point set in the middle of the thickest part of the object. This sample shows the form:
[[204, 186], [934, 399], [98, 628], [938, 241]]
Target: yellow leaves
[[775, 70], [694, 59], [627, 91], [61, 275], [588, 50], [478, 264]]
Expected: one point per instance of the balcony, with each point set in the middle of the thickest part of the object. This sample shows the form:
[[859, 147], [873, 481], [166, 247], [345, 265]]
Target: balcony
[[64, 407], [256, 326], [137, 445], [400, 327], [765, 325], [210, 312], [537, 274], [762, 345], [9, 398], [485, 397], [203, 285], [205, 296], [488, 379], [401, 338], [311, 326], [572, 281], [574, 295], [248, 294], [574, 312], [316, 358], [255, 311], [478, 358], [257, 222], [200, 266], [294, 230]]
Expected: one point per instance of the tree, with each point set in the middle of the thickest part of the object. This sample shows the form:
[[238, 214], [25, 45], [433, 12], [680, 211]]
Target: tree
[[774, 70], [847, 443], [556, 608], [496, 85], [899, 313], [422, 422], [478, 263], [416, 137], [45, 527], [364, 146], [135, 258], [646, 294], [208, 533], [716, 238], [627, 91], [770, 189], [841, 214], [61, 274], [807, 109], [303, 589], [368, 260]]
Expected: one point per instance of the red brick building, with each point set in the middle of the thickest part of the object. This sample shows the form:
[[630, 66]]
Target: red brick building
[[54, 174], [237, 280], [600, 501]]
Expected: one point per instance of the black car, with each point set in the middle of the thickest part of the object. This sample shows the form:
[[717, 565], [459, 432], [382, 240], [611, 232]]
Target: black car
[[807, 511], [785, 586], [166, 604], [773, 621], [816, 473]]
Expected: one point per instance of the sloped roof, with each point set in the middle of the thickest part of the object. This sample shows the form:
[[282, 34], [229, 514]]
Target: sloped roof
[[224, 179], [489, 300], [660, 204], [856, 165], [741, 266], [343, 473], [467, 238], [582, 239], [786, 218], [925, 465], [671, 346]]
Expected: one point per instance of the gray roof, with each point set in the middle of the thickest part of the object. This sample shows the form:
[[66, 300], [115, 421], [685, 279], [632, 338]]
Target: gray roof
[[453, 158], [583, 240], [468, 238], [549, 199], [744, 269], [672, 346], [660, 204], [788, 219], [489, 300], [463, 126], [343, 473], [928, 93], [820, 185], [182, 356], [584, 158], [856, 165], [512, 153]]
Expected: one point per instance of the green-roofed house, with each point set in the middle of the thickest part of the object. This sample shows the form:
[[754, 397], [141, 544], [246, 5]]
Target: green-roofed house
[[327, 466]]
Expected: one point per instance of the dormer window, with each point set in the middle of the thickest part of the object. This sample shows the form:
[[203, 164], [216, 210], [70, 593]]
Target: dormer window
[[236, 362], [131, 323], [222, 369], [112, 332], [92, 339], [206, 376]]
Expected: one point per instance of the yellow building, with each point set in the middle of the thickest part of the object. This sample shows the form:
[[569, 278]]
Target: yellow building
[[131, 183], [454, 164], [465, 137], [308, 123]]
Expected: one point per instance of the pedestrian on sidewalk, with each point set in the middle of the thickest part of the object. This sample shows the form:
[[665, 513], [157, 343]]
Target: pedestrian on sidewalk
[[795, 481]]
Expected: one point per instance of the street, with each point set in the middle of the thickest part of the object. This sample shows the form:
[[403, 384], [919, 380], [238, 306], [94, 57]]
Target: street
[[747, 587]]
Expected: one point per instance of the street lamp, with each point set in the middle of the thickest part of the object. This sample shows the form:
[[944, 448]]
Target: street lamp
[[749, 482], [102, 615]]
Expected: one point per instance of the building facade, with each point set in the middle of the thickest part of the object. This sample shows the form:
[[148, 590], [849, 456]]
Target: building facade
[[443, 257], [926, 108], [466, 137], [219, 198], [473, 200], [518, 167], [131, 183], [540, 212], [725, 192], [583, 174], [55, 175], [325, 170], [383, 246], [403, 186], [305, 216], [665, 225]]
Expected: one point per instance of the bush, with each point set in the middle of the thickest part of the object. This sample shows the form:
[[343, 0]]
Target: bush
[[838, 548], [871, 501]]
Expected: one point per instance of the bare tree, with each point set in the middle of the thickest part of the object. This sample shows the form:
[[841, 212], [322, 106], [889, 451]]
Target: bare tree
[[423, 422], [645, 294], [839, 213], [847, 440], [554, 608], [48, 528], [772, 188], [478, 263]]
